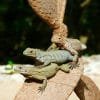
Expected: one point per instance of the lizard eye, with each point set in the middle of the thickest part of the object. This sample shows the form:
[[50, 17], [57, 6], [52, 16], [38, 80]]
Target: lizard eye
[[20, 67], [25, 70], [59, 38], [31, 51]]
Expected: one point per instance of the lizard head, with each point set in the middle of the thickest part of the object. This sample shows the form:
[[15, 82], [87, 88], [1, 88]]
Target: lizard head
[[68, 43], [25, 70], [77, 45], [30, 52]]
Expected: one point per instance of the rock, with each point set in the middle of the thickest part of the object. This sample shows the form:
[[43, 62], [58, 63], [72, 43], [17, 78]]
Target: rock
[[10, 84], [92, 68], [59, 87], [87, 90]]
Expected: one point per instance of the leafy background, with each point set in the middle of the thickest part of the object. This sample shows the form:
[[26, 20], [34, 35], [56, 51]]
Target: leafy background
[[20, 28]]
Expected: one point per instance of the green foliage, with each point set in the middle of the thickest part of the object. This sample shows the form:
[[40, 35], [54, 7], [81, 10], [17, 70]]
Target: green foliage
[[10, 65]]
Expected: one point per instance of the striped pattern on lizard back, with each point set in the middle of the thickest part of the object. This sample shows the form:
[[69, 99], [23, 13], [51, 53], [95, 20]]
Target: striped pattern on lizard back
[[47, 57]]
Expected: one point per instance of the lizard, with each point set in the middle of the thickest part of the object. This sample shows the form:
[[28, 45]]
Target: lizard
[[52, 12], [47, 57], [70, 44], [43, 73]]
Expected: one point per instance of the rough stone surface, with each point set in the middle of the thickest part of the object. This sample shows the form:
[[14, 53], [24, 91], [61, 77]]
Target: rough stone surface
[[10, 85], [92, 68], [87, 90], [51, 11]]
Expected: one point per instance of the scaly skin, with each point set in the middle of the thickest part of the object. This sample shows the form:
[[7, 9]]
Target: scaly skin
[[52, 12], [47, 57], [72, 45], [41, 73]]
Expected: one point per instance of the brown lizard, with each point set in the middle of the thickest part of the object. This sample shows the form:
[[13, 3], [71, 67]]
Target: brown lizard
[[52, 12], [72, 45]]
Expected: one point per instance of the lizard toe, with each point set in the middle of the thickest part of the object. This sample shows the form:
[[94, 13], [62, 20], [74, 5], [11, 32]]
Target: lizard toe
[[73, 65], [41, 89]]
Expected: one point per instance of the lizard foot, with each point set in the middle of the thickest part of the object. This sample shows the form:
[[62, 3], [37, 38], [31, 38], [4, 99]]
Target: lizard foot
[[41, 89], [73, 65]]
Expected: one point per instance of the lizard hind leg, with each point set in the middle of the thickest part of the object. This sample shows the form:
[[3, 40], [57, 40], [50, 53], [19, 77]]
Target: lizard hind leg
[[65, 67], [74, 64]]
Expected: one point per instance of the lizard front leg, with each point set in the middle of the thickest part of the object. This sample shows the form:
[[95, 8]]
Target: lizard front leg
[[40, 77], [74, 62], [53, 46], [44, 84]]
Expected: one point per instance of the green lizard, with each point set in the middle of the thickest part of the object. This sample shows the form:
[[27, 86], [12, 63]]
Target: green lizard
[[41, 73], [47, 57]]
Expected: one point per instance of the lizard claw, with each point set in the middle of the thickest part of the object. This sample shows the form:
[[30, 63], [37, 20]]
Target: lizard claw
[[41, 89], [73, 65]]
